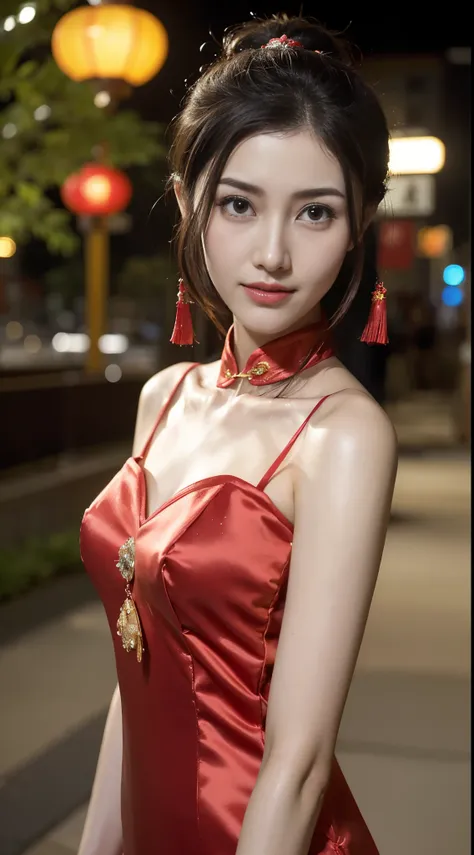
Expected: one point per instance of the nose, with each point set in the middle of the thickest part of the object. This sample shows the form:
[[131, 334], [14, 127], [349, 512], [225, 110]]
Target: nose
[[271, 251]]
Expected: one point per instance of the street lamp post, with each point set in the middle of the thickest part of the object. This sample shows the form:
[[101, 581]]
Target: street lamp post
[[117, 47], [97, 277]]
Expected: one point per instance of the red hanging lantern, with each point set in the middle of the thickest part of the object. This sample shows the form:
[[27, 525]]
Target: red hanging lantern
[[96, 190]]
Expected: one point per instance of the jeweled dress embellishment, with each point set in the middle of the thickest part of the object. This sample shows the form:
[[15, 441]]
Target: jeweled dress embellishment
[[128, 624]]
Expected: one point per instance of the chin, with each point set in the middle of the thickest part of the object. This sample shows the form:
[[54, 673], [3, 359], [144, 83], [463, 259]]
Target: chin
[[272, 322]]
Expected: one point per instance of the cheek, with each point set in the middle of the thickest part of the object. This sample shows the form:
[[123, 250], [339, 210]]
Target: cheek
[[217, 249], [222, 254], [322, 255], [218, 243]]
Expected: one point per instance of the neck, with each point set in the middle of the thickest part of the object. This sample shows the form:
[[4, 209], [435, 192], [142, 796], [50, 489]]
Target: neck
[[247, 341]]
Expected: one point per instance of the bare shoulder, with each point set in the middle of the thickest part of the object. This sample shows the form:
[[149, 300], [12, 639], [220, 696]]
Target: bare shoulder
[[354, 410], [350, 409], [152, 396], [359, 432], [347, 469], [161, 383]]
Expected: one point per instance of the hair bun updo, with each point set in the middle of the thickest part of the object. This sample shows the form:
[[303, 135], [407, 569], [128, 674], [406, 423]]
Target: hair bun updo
[[252, 35]]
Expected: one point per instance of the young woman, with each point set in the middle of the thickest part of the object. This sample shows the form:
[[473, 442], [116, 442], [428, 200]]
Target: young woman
[[236, 552]]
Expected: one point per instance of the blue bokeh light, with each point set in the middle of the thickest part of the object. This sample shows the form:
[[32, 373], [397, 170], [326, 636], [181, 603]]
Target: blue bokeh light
[[452, 296], [453, 274]]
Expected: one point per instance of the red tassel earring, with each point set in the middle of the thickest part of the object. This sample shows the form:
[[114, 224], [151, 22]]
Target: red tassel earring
[[183, 332], [375, 331]]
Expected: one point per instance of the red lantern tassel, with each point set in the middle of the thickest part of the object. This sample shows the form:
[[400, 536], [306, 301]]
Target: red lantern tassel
[[183, 332], [375, 331]]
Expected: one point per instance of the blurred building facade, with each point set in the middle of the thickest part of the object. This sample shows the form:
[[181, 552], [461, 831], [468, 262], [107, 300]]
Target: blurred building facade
[[426, 95]]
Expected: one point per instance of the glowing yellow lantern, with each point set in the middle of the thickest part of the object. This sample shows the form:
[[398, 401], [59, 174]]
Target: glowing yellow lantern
[[7, 247], [115, 42]]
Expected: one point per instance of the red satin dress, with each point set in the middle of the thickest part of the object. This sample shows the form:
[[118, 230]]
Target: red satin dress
[[211, 571]]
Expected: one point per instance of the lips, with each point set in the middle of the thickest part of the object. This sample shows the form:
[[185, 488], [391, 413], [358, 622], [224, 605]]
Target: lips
[[266, 293], [268, 286]]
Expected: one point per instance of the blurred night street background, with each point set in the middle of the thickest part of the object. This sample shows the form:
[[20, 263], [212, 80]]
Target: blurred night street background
[[88, 288]]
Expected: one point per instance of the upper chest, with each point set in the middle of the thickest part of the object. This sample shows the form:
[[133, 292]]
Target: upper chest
[[202, 436]]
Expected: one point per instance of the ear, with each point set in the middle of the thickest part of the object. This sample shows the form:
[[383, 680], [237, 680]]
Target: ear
[[177, 186]]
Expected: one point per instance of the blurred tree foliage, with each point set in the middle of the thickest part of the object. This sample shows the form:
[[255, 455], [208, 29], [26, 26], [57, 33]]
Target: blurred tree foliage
[[36, 156], [36, 560], [147, 277], [143, 278], [66, 279]]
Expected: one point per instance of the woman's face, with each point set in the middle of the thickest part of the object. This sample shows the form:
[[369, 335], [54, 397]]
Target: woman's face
[[279, 219]]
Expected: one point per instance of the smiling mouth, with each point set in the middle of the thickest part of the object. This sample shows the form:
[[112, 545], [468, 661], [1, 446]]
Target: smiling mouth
[[268, 295], [269, 288]]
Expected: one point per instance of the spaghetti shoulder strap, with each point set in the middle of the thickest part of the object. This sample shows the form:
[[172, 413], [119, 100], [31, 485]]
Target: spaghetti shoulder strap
[[273, 468], [164, 408]]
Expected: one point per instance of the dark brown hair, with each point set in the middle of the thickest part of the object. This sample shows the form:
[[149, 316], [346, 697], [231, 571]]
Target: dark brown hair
[[249, 91]]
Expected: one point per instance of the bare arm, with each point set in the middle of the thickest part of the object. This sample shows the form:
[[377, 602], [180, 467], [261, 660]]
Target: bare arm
[[342, 504]]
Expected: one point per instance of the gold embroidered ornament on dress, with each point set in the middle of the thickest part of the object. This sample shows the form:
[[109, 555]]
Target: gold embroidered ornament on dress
[[257, 371], [128, 624]]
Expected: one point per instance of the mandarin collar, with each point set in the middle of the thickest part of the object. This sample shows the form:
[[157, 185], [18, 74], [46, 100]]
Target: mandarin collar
[[277, 360]]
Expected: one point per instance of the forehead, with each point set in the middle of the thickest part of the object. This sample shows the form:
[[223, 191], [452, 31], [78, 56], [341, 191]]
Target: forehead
[[284, 162]]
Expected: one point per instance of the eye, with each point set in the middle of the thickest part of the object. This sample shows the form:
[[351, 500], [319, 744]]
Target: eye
[[235, 206], [317, 214]]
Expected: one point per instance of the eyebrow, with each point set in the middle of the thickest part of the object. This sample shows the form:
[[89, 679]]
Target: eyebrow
[[308, 193]]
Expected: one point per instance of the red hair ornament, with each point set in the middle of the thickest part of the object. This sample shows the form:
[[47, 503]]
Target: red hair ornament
[[282, 41]]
